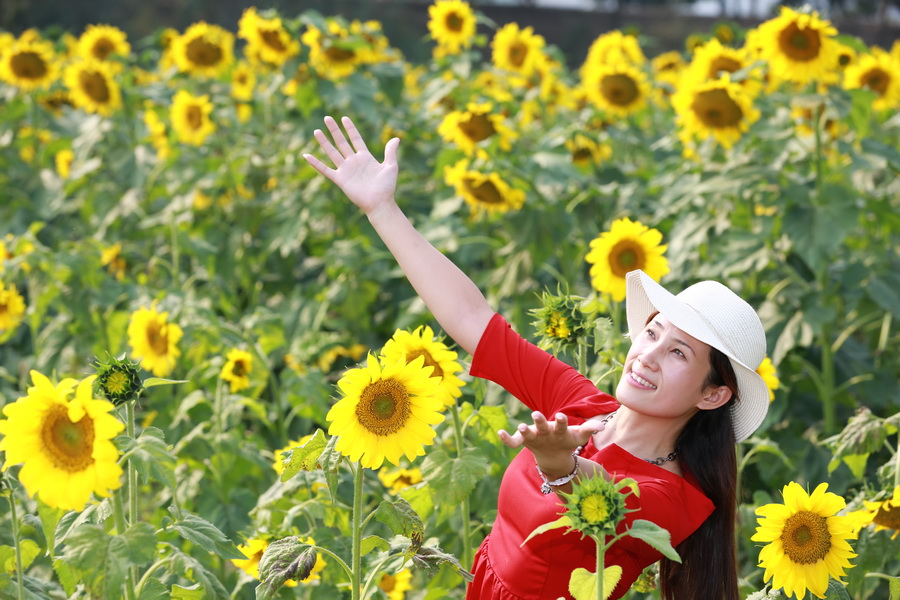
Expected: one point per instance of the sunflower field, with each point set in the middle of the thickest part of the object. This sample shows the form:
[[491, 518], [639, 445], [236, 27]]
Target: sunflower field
[[216, 383]]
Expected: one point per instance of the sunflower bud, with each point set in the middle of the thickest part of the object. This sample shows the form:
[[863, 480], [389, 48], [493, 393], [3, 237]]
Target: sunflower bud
[[118, 380], [596, 505], [563, 322]]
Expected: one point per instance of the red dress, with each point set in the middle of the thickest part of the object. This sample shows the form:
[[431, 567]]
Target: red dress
[[504, 568]]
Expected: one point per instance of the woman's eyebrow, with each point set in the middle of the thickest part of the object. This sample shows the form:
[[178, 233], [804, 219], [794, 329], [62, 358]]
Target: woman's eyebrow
[[677, 340]]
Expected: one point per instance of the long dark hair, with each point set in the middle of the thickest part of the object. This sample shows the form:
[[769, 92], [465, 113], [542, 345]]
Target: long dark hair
[[706, 447]]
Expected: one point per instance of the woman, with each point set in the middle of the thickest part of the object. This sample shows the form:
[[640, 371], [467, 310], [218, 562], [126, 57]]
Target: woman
[[688, 393]]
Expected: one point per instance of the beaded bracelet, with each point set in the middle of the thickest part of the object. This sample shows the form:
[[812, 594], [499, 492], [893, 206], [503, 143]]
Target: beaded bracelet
[[548, 486]]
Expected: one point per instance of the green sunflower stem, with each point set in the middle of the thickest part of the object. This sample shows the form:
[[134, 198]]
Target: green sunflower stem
[[20, 572], [464, 505], [356, 565], [601, 559], [897, 464], [121, 526]]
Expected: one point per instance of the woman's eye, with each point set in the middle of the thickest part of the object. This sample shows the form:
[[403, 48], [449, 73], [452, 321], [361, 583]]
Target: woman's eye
[[679, 353]]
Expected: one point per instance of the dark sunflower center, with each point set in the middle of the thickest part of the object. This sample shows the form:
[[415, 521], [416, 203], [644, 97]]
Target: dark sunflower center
[[723, 64], [619, 89], [429, 361], [454, 22], [517, 54], [272, 39], [799, 44], [158, 337], [340, 55], [28, 65], [877, 81], [387, 583], [194, 117], [582, 155], [844, 60], [716, 109], [626, 256], [239, 369], [94, 85], [805, 538], [484, 192], [403, 480], [68, 445], [102, 48], [204, 53], [384, 407], [477, 127], [888, 516]]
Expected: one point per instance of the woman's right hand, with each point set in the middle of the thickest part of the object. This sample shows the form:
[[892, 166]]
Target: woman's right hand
[[367, 182]]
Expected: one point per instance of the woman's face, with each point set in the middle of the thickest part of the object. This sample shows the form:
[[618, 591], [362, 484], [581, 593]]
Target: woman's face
[[665, 371]]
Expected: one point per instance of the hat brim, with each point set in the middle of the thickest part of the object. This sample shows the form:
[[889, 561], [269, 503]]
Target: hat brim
[[644, 296]]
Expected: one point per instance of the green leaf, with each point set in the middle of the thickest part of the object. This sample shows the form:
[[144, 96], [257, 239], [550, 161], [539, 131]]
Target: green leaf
[[197, 572], [30, 550], [400, 517], [373, 542], [155, 381], [151, 457], [654, 535], [583, 584], [454, 477], [287, 558], [49, 520], [864, 433], [563, 521], [330, 460], [103, 559], [883, 291], [195, 592], [154, 589], [204, 534], [894, 587], [68, 575], [305, 457], [420, 498], [836, 591]]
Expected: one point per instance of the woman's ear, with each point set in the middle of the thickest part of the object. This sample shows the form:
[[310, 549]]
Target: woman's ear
[[714, 397]]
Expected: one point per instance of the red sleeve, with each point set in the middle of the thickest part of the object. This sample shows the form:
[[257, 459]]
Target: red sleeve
[[540, 380]]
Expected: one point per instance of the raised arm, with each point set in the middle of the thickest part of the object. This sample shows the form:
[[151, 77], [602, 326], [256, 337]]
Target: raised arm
[[455, 301]]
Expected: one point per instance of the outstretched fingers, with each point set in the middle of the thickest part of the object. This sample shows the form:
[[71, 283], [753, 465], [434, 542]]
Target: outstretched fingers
[[329, 150], [358, 143], [340, 141]]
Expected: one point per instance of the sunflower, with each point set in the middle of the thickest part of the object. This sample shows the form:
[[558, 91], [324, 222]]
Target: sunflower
[[476, 126], [353, 353], [63, 160], [408, 346], [769, 375], [28, 64], [596, 505], [103, 42], [713, 59], [798, 47], [54, 101], [267, 39], [12, 308], [586, 151], [333, 54], [118, 379], [243, 82], [667, 67], [628, 245], [719, 109], [806, 540], [388, 410], [397, 480], [159, 137], [237, 369], [65, 443], [618, 89], [203, 49], [517, 50], [483, 192], [885, 514], [111, 258], [451, 24], [879, 72], [93, 86], [396, 586], [153, 340], [613, 48], [190, 117]]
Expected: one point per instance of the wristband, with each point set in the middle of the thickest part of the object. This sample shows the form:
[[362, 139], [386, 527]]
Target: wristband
[[548, 486]]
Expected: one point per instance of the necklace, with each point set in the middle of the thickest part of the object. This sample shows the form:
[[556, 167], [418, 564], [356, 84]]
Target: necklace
[[659, 460]]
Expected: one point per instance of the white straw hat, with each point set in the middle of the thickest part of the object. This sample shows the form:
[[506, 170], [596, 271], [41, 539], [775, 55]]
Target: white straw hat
[[712, 313]]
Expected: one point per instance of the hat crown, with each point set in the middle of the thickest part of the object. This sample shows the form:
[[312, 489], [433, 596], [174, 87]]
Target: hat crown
[[731, 319]]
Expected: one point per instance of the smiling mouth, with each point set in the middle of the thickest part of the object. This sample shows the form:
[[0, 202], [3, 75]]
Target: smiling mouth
[[641, 381]]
